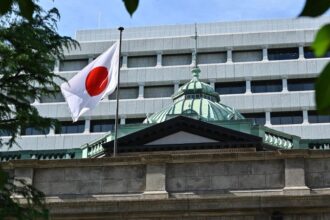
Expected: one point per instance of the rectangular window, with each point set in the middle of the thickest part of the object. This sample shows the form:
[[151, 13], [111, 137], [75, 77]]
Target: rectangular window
[[301, 84], [309, 54], [49, 99], [68, 127], [230, 88], [261, 86], [126, 93], [158, 91], [176, 59], [102, 125], [314, 117], [4, 132], [134, 120], [258, 118], [281, 118], [283, 53], [141, 61], [34, 131], [212, 57], [247, 56], [72, 65]]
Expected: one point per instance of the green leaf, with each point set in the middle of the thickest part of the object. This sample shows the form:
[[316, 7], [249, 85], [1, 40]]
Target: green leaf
[[27, 8], [131, 5], [322, 91], [321, 44], [314, 8], [5, 6]]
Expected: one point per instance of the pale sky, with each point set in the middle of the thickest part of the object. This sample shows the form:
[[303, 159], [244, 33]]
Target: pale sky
[[93, 14]]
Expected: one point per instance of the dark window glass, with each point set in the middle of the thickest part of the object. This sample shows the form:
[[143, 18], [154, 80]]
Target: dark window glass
[[142, 61], [4, 132], [34, 131], [301, 84], [134, 120], [158, 91], [280, 118], [258, 118], [283, 53], [230, 88], [266, 86], [71, 65], [176, 59], [102, 125], [308, 53], [58, 97], [212, 57], [125, 93], [247, 56], [313, 117], [68, 127]]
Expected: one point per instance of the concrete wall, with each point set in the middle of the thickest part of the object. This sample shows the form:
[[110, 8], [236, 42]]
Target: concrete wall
[[228, 184]]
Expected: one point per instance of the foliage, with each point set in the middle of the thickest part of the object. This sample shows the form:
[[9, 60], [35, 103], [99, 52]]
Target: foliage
[[321, 45], [27, 7], [33, 207], [131, 6], [28, 50]]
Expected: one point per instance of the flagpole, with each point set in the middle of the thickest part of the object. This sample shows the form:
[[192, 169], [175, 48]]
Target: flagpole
[[115, 145]]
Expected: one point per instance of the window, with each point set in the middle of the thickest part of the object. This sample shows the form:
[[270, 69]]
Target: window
[[67, 127], [266, 86], [158, 91], [4, 132], [49, 99], [230, 88], [34, 131], [308, 53], [142, 61], [102, 125], [212, 57], [126, 93], [283, 53], [247, 56], [280, 118], [301, 84], [134, 120], [258, 118], [176, 59], [72, 65], [313, 117]]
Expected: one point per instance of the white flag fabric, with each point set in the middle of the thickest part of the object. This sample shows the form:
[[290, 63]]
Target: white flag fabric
[[98, 79]]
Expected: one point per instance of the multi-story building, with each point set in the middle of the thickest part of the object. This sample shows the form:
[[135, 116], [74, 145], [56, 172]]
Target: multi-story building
[[264, 69]]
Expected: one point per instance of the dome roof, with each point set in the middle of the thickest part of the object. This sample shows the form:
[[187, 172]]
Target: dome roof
[[198, 100]]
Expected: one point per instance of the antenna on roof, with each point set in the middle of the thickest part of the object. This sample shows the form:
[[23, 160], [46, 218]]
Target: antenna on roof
[[195, 71]]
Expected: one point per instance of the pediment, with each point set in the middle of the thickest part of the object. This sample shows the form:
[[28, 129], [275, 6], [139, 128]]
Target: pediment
[[181, 137]]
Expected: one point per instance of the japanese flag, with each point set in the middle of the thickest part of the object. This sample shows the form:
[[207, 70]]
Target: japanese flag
[[98, 79]]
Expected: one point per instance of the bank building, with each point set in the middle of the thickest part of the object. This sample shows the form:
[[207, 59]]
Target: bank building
[[228, 134]]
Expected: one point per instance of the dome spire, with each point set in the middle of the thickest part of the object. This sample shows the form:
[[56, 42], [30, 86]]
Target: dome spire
[[195, 71]]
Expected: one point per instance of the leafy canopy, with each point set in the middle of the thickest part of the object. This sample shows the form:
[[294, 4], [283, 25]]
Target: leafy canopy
[[28, 50]]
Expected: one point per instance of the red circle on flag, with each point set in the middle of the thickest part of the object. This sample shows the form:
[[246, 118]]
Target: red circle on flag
[[97, 80]]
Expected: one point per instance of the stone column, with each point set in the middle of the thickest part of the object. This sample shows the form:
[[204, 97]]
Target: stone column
[[295, 177], [159, 58], [301, 52], [124, 61], [123, 120], [52, 131], [141, 90], [176, 85], [57, 66], [87, 126], [212, 83], [155, 181], [305, 116], [264, 54], [268, 121], [248, 86], [90, 59], [284, 84], [229, 55]]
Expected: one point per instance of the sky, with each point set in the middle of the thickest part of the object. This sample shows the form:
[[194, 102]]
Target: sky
[[94, 14]]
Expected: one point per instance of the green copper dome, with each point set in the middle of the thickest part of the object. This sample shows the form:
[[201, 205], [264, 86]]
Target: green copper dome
[[198, 100]]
